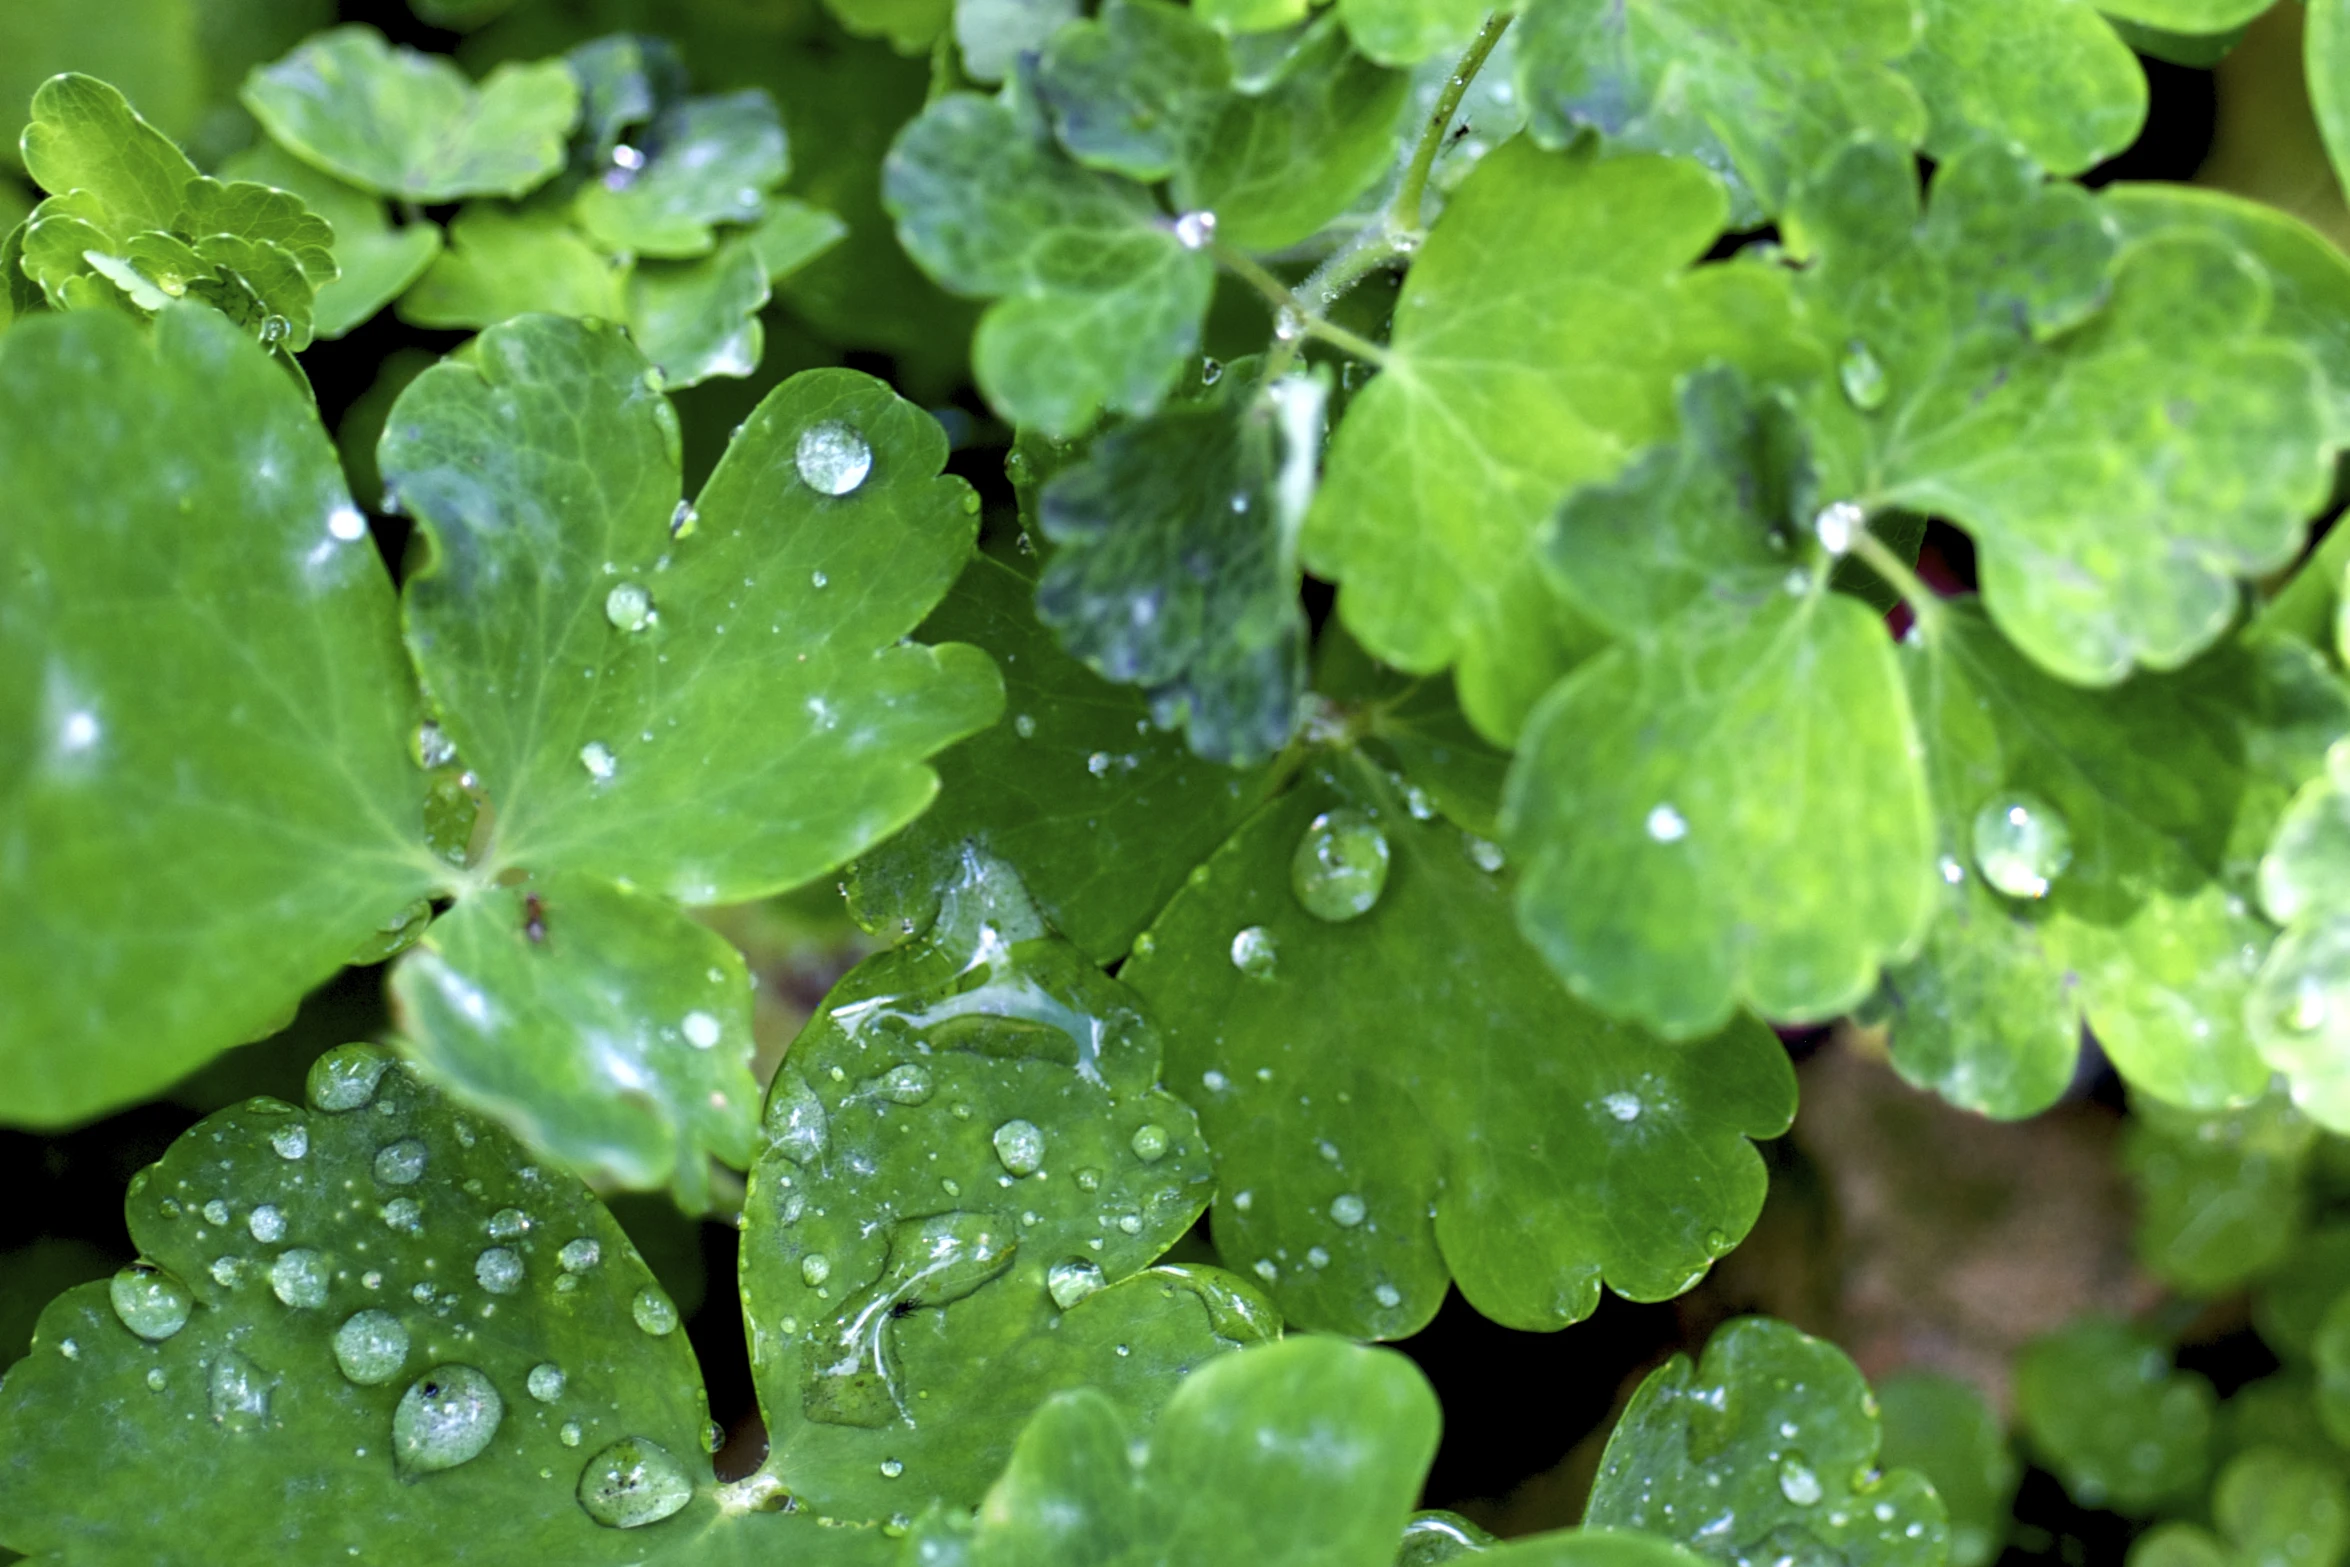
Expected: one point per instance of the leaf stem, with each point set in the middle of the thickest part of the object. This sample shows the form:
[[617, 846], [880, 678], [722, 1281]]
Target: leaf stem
[[1924, 603], [1403, 213], [1255, 274], [1346, 342]]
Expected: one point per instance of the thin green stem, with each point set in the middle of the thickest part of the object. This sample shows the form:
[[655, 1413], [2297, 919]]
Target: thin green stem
[[1346, 342], [1253, 272], [1403, 213], [1878, 556]]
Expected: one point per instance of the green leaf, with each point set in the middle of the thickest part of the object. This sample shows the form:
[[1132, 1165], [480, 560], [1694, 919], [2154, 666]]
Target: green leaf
[[410, 125], [308, 1275], [498, 996], [1098, 304], [502, 263], [624, 80], [2330, 1349], [2273, 1506], [2048, 76], [592, 658], [2106, 1412], [2288, 1307], [148, 49], [993, 35], [377, 261], [85, 136], [2326, 49], [2001, 396], [910, 26], [213, 811], [1102, 814], [1940, 1427], [1405, 32], [706, 161], [968, 1172], [1759, 92], [1131, 90], [1175, 570], [698, 319], [1279, 163], [2219, 1195], [1251, 16], [1306, 1451], [1510, 380], [792, 235], [2200, 17], [1483, 1127], [258, 213], [1768, 1444]]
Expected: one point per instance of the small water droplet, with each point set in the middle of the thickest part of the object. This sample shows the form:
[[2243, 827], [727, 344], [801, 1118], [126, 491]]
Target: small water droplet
[[1266, 1270], [1838, 525], [1483, 853], [446, 1418], [1098, 764], [1316, 1257], [1952, 872], [683, 520], [832, 458], [150, 1302], [404, 1214], [1071, 1281], [1667, 825], [345, 523], [291, 1142], [156, 1379], [891, 1468], [569, 1434], [795, 1118], [1863, 377], [1416, 801], [907, 1083], [546, 1381], [498, 1270], [1024, 726], [628, 606], [1798, 1484], [1019, 1146], [1388, 1296], [1340, 866], [238, 1393], [267, 1223], [1623, 1106], [815, 1268], [1150, 1142], [400, 1163], [371, 1346], [216, 1212], [701, 1030], [2022, 844], [228, 1272], [577, 1256], [507, 1224], [1346, 1210], [633, 1483], [599, 761], [1255, 953], [1195, 230], [653, 1311], [299, 1277], [346, 1077]]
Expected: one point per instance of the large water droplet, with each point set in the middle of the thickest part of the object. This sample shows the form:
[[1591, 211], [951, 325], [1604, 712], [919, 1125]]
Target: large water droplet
[[1340, 866], [298, 1278], [239, 1393], [1798, 1483], [1255, 953], [446, 1418], [701, 1030], [267, 1223], [795, 1118], [151, 1303], [577, 1256], [498, 1270], [633, 1483], [216, 1212], [1346, 1210], [1019, 1145], [1863, 377], [906, 1084], [2022, 844], [1150, 1142], [628, 606], [1071, 1281], [346, 1077], [291, 1142], [371, 1347], [546, 1382], [815, 1268], [400, 1163], [832, 458], [653, 1311]]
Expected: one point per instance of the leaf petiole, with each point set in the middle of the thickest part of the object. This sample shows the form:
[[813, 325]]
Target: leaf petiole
[[1403, 213], [1924, 603]]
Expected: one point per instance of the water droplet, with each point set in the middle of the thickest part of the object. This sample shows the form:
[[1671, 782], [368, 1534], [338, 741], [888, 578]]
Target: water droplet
[[653, 1311], [599, 761], [628, 606], [891, 1468], [633, 1483], [569, 1434], [446, 1418], [267, 1224], [216, 1212], [498, 1270], [156, 1379], [69, 1349], [1838, 525], [400, 1163], [1340, 866], [1255, 953], [371, 1346], [577, 1256], [404, 1214], [1863, 377], [2022, 844], [815, 1268], [906, 1084], [1798, 1484], [1098, 764], [298, 1278], [1952, 872], [1195, 230], [795, 1118], [1210, 371], [150, 1302], [1483, 853], [1346, 1210], [1316, 1257], [1623, 1106], [1388, 1296], [228, 1272], [347, 1076], [1071, 1281], [507, 1224], [832, 458], [546, 1381], [701, 1030], [239, 1393], [1416, 801], [291, 1142], [1266, 1270], [1667, 825], [1150, 1142], [682, 521], [345, 523], [1019, 1146]]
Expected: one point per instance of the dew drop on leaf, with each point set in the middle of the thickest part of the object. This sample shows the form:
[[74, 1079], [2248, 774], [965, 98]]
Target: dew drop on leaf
[[298, 1278], [1623, 1106], [1863, 377], [628, 606], [654, 1312], [701, 1030], [682, 520], [832, 458], [150, 1302], [795, 1119], [498, 1270], [446, 1418], [345, 523], [507, 1224], [1150, 1142], [1071, 1281], [346, 1077], [239, 1393], [267, 1223], [2022, 844], [216, 1212], [1838, 525], [891, 1468], [1798, 1484], [906, 1084], [1340, 866], [546, 1382], [1667, 825], [1483, 853], [599, 761], [1388, 1296], [400, 1163], [1254, 952], [633, 1483], [815, 1268], [371, 1346], [1346, 1210], [1019, 1146], [577, 1256], [291, 1142], [569, 1434]]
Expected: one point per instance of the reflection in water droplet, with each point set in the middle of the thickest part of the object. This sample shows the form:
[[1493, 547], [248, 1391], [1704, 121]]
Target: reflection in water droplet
[[683, 519], [1071, 1281], [498, 1270], [1150, 1142], [1623, 1106], [577, 1256], [891, 1468], [1346, 1210], [507, 1224], [832, 458], [1667, 825], [1798, 1484], [1255, 953], [150, 1302], [267, 1223], [633, 1483], [653, 1311], [628, 606], [346, 1077], [1340, 866], [291, 1142], [298, 1278], [446, 1418], [1019, 1145], [371, 1347], [546, 1381], [906, 1084], [701, 1030], [239, 1393], [401, 1163], [2022, 844]]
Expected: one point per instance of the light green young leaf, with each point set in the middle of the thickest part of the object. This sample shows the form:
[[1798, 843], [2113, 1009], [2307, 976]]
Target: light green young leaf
[[410, 125], [203, 708], [1757, 91], [992, 35], [369, 1326], [1098, 304], [2326, 50], [792, 234], [1102, 813], [376, 260], [2220, 1198], [151, 50], [1940, 1427], [706, 161], [698, 319], [1305, 1453], [502, 263], [1406, 32], [1534, 349], [1405, 1097], [2047, 75], [85, 136], [498, 995], [1251, 16], [258, 213], [1130, 90], [1768, 1444], [910, 26], [2104, 1409], [969, 1167], [593, 643]]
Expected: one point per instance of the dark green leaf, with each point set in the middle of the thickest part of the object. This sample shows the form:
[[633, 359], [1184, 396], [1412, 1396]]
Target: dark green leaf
[[2219, 1195], [1131, 90], [2104, 1409], [1940, 1427]]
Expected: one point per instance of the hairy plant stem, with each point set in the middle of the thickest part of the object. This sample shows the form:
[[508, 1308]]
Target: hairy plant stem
[[1294, 322], [1924, 603]]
